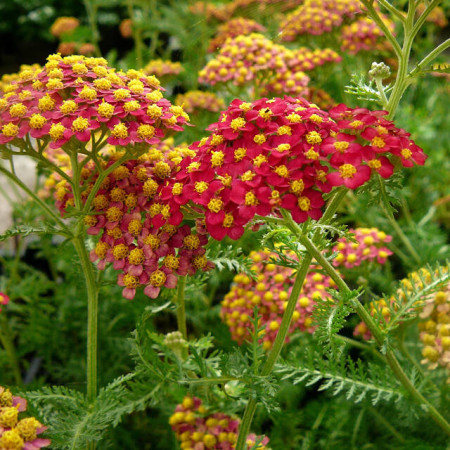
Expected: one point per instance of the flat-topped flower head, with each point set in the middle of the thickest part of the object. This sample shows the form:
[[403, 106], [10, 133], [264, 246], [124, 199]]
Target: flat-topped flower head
[[71, 97], [317, 17], [285, 153]]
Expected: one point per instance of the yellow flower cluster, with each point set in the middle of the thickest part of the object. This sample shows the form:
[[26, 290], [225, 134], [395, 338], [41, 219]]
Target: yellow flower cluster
[[317, 17], [364, 34], [160, 68]]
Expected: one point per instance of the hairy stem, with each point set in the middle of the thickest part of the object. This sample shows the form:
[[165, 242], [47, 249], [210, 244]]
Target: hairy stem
[[92, 294], [49, 211], [286, 320], [244, 427], [396, 227]]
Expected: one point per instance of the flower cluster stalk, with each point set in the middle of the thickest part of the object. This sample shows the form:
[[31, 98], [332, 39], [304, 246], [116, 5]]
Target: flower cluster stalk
[[285, 323]]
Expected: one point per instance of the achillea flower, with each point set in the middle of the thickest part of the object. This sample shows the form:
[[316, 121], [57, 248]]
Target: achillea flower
[[17, 433], [25, 71], [160, 68], [304, 59], [241, 58], [193, 101], [365, 35], [73, 96], [140, 228], [290, 82], [234, 27], [67, 48], [64, 25], [320, 98], [4, 300], [270, 293], [317, 17], [195, 427], [86, 49], [369, 246], [285, 153]]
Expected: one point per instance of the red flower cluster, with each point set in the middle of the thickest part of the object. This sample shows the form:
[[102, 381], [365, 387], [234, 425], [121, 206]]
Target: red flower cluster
[[285, 153], [317, 17], [232, 28], [365, 35], [369, 246], [270, 293], [73, 96], [161, 68], [193, 101], [18, 434], [198, 429], [139, 223], [4, 300]]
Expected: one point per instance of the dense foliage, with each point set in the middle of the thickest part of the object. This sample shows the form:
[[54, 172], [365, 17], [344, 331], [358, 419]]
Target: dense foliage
[[238, 236]]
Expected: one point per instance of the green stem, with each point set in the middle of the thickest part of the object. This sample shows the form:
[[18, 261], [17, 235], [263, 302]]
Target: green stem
[[41, 203], [380, 87], [249, 412], [432, 55], [396, 226], [7, 342], [392, 9], [244, 427], [136, 34], [181, 307], [378, 335], [379, 21], [92, 294]]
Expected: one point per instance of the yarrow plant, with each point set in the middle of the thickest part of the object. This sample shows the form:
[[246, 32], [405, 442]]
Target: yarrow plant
[[153, 212]]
